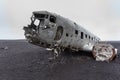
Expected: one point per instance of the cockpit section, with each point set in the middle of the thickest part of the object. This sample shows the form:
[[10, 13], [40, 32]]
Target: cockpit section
[[42, 28], [39, 20]]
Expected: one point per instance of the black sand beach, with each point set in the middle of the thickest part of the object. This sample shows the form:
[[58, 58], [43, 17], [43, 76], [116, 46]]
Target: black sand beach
[[20, 60]]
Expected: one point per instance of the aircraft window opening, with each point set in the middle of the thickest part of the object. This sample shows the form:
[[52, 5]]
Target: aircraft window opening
[[46, 16], [67, 34], [86, 35], [53, 19], [89, 37], [76, 32], [41, 15], [32, 18], [82, 35], [75, 23], [92, 38]]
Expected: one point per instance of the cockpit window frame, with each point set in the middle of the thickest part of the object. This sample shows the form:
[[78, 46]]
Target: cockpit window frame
[[36, 15]]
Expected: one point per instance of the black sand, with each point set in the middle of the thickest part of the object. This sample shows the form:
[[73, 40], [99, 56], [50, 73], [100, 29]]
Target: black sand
[[20, 60]]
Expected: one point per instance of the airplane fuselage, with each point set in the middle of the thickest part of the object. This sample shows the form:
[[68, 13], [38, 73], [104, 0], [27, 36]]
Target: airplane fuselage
[[50, 30]]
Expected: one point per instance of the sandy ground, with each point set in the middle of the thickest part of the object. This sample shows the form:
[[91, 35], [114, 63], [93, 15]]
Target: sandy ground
[[20, 60]]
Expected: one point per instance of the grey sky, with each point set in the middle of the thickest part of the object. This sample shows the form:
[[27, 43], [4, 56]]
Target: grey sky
[[101, 17]]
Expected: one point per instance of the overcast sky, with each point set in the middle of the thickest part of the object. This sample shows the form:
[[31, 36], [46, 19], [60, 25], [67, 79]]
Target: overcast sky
[[101, 17]]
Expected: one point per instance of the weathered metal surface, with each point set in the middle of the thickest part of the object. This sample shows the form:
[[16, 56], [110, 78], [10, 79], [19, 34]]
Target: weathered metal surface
[[104, 52], [53, 31]]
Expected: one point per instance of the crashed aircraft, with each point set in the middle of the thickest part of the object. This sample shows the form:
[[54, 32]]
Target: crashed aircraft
[[55, 32]]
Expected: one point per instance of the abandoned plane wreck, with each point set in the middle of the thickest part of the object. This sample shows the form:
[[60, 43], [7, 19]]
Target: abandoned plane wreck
[[55, 32]]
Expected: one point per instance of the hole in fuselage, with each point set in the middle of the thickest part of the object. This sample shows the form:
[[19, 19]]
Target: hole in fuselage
[[67, 34], [48, 45], [42, 43], [59, 33], [76, 32]]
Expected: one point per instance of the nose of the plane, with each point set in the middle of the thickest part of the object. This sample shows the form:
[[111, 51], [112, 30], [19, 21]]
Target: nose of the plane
[[29, 30], [25, 28], [30, 34]]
